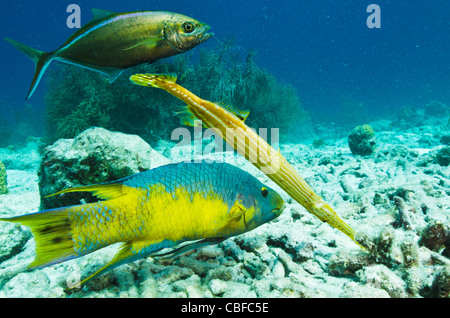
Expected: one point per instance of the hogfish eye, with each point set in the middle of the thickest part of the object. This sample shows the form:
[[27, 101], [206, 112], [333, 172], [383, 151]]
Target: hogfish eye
[[188, 27], [264, 192]]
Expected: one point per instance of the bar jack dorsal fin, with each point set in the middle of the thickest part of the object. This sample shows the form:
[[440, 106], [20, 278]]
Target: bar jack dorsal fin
[[100, 14]]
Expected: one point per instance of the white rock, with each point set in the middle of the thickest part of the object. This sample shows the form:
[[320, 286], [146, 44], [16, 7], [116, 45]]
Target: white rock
[[379, 276], [355, 290], [217, 286]]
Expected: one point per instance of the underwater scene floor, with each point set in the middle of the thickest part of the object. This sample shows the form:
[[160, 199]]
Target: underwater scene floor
[[398, 198]]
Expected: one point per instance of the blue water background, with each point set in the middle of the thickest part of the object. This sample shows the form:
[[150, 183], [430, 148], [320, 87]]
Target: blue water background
[[323, 48]]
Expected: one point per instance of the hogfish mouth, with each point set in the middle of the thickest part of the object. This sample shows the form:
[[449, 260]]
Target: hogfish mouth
[[278, 211]]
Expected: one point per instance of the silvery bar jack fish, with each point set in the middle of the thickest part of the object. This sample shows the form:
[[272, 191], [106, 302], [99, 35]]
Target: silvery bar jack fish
[[112, 42]]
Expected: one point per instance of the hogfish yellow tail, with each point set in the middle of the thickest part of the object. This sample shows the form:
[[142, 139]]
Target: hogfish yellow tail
[[269, 161], [53, 236]]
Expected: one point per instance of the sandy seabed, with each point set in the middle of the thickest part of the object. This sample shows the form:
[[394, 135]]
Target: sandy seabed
[[398, 198]]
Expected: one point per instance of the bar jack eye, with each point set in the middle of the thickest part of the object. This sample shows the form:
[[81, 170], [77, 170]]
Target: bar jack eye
[[188, 27]]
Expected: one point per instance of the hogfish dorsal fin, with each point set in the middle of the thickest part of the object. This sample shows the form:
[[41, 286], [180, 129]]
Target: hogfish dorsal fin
[[101, 191], [100, 14]]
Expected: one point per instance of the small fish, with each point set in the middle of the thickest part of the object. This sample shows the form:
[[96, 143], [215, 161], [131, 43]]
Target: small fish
[[230, 124], [194, 204], [112, 42]]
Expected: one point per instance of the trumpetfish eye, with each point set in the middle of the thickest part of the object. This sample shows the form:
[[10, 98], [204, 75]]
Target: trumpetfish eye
[[188, 27], [264, 192]]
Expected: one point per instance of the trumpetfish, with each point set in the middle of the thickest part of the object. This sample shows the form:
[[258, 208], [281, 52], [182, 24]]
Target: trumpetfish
[[230, 123]]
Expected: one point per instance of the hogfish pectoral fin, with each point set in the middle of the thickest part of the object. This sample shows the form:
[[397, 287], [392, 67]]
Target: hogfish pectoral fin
[[183, 249], [236, 214], [129, 252], [237, 210]]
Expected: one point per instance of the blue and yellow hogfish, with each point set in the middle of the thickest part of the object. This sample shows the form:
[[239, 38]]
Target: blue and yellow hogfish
[[153, 210]]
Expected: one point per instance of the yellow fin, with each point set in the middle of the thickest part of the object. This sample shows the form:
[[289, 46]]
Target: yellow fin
[[101, 191], [153, 80], [118, 259], [187, 118], [235, 215], [237, 210], [52, 233], [129, 252], [241, 114], [150, 43]]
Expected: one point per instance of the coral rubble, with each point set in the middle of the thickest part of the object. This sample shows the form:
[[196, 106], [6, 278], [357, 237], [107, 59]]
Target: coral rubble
[[3, 180]]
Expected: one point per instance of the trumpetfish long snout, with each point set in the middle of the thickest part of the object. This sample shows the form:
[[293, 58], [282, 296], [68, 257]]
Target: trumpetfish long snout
[[230, 123]]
